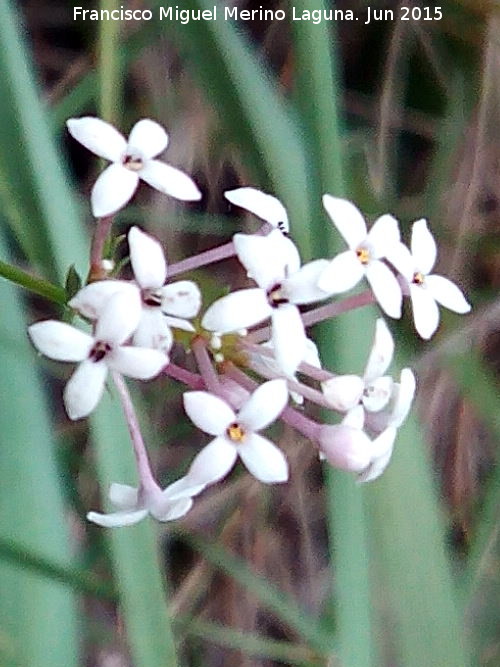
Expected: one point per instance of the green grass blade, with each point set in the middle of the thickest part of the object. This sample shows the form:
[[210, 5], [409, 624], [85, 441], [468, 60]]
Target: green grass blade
[[110, 76]]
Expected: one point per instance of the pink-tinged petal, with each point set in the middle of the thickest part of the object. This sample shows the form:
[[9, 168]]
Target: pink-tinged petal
[[208, 412], [179, 323], [117, 519], [84, 389], [402, 260], [381, 352], [123, 496], [302, 286], [377, 393], [425, 311], [120, 317], [147, 139], [113, 189], [238, 310], [343, 392], [262, 205], [288, 337], [342, 273], [345, 447], [181, 299], [264, 406], [91, 299], [382, 448], [60, 341], [347, 219], [212, 463], [98, 136], [153, 331], [355, 418], [138, 362], [447, 293], [423, 246], [263, 459], [169, 510], [169, 180], [147, 259], [385, 287], [383, 235]]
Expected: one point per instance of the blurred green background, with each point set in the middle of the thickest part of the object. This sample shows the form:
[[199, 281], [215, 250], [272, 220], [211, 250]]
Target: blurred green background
[[400, 116]]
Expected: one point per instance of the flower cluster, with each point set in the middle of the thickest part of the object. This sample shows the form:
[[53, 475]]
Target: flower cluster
[[131, 325]]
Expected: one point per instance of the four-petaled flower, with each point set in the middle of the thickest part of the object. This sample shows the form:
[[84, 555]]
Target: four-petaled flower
[[132, 160]]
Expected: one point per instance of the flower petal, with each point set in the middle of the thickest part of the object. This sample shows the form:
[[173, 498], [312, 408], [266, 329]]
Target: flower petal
[[84, 389], [170, 180], [381, 352], [404, 393], [288, 337], [265, 405], [423, 246], [302, 286], [181, 299], [60, 341], [123, 496], [267, 259], [383, 234], [238, 310], [447, 293], [179, 323], [147, 259], [117, 519], [147, 139], [345, 447], [402, 260], [98, 136], [91, 299], [120, 317], [112, 190], [377, 393], [342, 273], [343, 392], [425, 311], [263, 459], [153, 331], [208, 412], [182, 488], [385, 287], [382, 448], [347, 219], [169, 510], [212, 463], [355, 418], [262, 205], [138, 362]]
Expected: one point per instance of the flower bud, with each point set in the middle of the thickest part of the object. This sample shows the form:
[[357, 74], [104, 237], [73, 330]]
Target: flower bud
[[345, 447]]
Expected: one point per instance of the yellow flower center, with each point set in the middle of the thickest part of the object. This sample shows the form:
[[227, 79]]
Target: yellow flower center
[[363, 255], [235, 433], [418, 278]]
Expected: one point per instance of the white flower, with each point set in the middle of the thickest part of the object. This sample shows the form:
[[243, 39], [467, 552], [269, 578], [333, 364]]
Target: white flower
[[274, 263], [236, 436], [162, 305], [365, 255], [132, 160], [98, 353], [134, 505], [262, 205], [396, 411], [426, 289], [374, 389]]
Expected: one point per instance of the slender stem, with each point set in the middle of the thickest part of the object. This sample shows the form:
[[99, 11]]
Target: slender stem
[[35, 285], [97, 272], [208, 373], [147, 480], [202, 259], [192, 380]]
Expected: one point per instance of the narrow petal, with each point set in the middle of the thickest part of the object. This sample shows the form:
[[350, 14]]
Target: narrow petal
[[212, 463], [342, 273], [302, 286], [153, 331], [425, 311], [98, 136], [181, 299], [347, 219], [117, 519], [265, 405], [385, 287], [378, 393], [345, 447], [170, 511], [138, 362], [182, 488], [170, 181], [343, 392], [147, 139], [147, 259], [262, 205], [84, 389], [381, 352], [208, 412], [423, 246], [311, 356], [383, 235], [120, 318], [179, 323], [91, 299], [404, 392], [238, 310], [60, 341], [402, 260], [288, 338], [382, 448], [123, 496], [263, 459], [112, 190], [447, 293]]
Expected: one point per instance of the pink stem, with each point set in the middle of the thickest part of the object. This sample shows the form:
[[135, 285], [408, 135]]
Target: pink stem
[[207, 371], [202, 259], [192, 380], [101, 233], [146, 478]]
